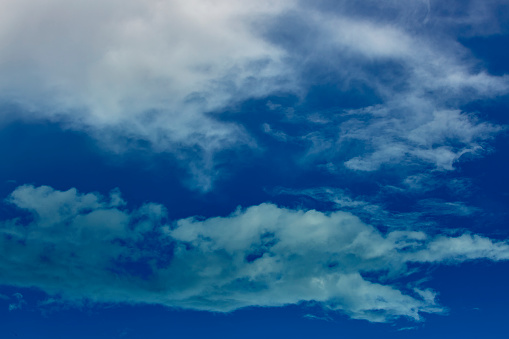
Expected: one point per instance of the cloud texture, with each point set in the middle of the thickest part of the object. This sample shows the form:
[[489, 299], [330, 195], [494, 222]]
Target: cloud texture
[[84, 246]]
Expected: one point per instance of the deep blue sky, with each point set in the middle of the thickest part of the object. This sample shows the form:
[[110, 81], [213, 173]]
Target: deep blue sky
[[282, 169]]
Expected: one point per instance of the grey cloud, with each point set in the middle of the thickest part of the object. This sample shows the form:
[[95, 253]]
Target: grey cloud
[[84, 246]]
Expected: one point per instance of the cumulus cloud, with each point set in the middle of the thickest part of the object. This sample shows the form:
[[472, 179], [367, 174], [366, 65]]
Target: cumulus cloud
[[84, 246]]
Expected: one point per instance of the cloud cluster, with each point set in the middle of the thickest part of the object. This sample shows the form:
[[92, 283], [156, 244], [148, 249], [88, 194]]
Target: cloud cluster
[[84, 246], [134, 72]]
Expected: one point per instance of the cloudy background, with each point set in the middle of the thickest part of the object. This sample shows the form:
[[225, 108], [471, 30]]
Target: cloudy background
[[225, 162]]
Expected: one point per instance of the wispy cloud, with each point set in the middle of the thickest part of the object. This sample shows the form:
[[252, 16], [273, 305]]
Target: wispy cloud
[[418, 212], [439, 138], [316, 317], [412, 67]]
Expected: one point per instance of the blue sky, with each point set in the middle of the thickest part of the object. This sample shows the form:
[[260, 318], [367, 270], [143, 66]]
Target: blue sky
[[243, 169]]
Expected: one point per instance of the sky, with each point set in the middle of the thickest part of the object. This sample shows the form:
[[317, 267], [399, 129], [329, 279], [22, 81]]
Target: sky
[[226, 169]]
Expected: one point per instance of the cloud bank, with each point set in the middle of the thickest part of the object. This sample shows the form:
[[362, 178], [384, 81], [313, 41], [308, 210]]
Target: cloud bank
[[87, 247]]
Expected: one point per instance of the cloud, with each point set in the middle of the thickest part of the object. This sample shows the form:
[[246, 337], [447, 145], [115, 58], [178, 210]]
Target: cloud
[[407, 329], [315, 317], [440, 138], [440, 207], [412, 77], [86, 247], [416, 213], [139, 72], [156, 74], [135, 59], [18, 304]]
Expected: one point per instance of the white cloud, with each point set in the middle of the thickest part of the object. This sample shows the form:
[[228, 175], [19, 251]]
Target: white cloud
[[419, 73], [131, 72], [439, 138], [464, 247], [85, 246]]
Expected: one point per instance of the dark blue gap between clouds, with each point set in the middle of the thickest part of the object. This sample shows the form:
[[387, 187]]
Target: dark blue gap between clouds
[[492, 51]]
